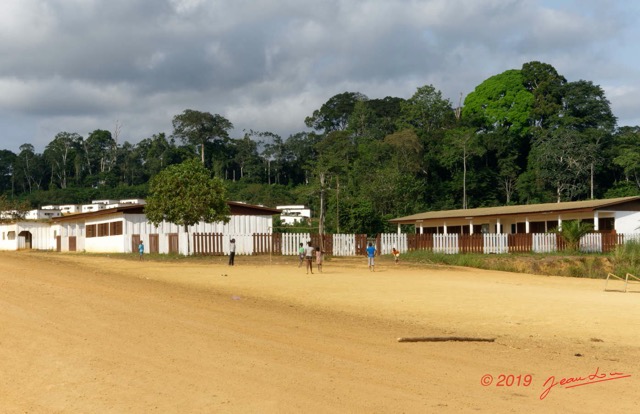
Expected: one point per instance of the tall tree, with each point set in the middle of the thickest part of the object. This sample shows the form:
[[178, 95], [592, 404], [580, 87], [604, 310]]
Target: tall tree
[[7, 161], [626, 155], [562, 160], [29, 169], [246, 153], [586, 109], [100, 151], [426, 111], [197, 128], [461, 144], [546, 85], [334, 114], [60, 153]]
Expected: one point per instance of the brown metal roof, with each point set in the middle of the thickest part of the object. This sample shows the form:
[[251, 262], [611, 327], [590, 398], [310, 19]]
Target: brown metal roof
[[569, 206]]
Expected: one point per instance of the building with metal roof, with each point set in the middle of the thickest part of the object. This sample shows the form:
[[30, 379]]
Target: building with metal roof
[[615, 214]]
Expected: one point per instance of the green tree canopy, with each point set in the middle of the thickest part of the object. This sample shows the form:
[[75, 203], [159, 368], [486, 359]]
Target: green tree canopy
[[334, 114], [197, 128], [502, 101], [544, 82], [185, 194]]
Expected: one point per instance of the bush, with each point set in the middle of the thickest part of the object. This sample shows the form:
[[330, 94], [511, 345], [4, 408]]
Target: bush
[[626, 259]]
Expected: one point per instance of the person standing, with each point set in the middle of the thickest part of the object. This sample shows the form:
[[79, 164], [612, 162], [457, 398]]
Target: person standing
[[396, 254], [308, 254], [319, 259], [301, 253], [232, 251], [371, 253], [141, 250]]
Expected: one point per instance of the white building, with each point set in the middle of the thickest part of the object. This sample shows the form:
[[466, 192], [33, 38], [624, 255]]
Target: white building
[[42, 214], [294, 214], [120, 230], [68, 208]]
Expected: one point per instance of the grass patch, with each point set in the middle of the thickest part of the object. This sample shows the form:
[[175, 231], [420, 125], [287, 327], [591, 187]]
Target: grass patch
[[555, 264]]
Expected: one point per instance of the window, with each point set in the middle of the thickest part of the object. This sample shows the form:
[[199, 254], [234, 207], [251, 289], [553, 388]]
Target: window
[[115, 228], [91, 230], [11, 235], [103, 229]]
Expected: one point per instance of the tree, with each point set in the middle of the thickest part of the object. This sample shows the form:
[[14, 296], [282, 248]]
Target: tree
[[60, 153], [627, 154], [7, 160], [562, 160], [586, 109], [11, 210], [426, 111], [544, 82], [406, 151], [246, 153], [29, 169], [461, 145], [572, 231], [197, 128], [501, 101], [100, 152], [186, 194], [334, 114]]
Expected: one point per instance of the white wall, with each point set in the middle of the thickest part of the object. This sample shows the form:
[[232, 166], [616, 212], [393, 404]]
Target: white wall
[[237, 226], [41, 236], [5, 243], [627, 221]]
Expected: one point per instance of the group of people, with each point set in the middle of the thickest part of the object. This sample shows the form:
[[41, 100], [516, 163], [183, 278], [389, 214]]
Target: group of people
[[307, 254]]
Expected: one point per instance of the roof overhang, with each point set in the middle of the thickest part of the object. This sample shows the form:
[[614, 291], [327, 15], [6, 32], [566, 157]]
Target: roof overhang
[[551, 209]]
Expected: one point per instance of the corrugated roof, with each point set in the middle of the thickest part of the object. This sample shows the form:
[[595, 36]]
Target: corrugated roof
[[587, 205]]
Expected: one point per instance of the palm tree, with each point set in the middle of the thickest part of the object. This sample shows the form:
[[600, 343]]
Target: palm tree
[[572, 231]]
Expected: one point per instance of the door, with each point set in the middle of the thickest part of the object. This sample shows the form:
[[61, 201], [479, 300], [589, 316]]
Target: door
[[135, 241], [154, 245], [173, 243]]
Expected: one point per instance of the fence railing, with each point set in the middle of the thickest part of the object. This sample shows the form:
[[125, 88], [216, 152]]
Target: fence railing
[[287, 244]]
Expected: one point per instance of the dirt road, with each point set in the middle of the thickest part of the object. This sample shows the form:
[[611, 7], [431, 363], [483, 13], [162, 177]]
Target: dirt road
[[92, 334]]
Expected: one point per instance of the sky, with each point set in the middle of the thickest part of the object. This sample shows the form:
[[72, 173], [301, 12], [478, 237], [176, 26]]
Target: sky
[[131, 65]]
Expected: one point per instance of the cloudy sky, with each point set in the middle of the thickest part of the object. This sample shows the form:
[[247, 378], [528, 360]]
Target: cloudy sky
[[81, 65]]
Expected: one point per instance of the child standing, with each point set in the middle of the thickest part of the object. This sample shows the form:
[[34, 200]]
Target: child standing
[[396, 254], [309, 257], [371, 253], [301, 254]]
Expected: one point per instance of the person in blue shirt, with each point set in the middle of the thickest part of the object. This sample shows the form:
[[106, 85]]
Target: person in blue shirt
[[371, 252], [141, 249]]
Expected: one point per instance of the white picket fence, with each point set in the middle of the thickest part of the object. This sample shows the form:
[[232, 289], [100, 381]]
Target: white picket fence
[[591, 243], [445, 243], [344, 244], [496, 243], [388, 241], [544, 242], [347, 244], [291, 242]]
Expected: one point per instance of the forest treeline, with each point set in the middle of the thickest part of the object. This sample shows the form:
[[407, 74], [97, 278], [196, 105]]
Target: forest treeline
[[523, 136]]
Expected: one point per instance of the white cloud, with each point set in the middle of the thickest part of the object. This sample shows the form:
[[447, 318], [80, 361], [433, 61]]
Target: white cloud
[[80, 65]]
